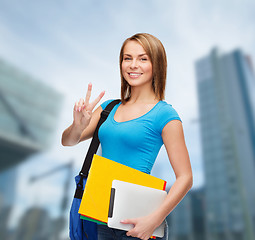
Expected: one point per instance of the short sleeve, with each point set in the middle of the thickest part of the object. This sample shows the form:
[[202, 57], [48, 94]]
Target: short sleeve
[[166, 114], [104, 104]]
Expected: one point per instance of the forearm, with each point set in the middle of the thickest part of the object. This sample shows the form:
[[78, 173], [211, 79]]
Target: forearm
[[145, 226], [178, 190], [71, 135]]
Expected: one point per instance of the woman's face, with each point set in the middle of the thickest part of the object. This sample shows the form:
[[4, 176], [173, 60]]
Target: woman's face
[[136, 65]]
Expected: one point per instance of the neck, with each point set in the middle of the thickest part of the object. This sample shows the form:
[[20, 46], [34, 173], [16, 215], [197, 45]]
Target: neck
[[142, 94]]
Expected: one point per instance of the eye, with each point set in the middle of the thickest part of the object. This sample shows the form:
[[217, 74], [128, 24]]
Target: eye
[[127, 58], [144, 59]]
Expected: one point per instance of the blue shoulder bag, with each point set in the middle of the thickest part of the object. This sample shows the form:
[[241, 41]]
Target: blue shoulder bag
[[80, 229]]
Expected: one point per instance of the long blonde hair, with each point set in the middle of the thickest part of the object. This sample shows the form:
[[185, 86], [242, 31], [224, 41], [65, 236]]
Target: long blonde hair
[[156, 52]]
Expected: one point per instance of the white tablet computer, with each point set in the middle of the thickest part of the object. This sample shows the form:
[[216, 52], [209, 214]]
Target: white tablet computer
[[131, 201]]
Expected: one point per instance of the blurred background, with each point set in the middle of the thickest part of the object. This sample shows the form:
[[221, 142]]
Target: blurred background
[[51, 50]]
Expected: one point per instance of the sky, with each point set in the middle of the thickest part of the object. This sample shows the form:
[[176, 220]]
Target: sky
[[67, 44]]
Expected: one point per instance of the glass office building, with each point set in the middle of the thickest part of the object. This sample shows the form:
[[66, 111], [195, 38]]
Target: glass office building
[[28, 115], [187, 220], [35, 224], [198, 213], [226, 91], [180, 221]]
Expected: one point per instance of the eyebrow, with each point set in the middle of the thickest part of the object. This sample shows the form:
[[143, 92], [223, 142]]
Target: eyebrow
[[138, 55]]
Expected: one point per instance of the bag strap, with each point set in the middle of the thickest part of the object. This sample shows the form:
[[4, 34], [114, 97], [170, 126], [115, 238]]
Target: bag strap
[[94, 144]]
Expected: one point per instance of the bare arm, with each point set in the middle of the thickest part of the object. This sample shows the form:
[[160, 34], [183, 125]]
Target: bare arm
[[174, 142], [84, 121], [75, 133]]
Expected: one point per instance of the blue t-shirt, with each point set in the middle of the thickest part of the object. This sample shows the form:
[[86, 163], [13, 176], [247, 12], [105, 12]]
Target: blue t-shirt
[[135, 143]]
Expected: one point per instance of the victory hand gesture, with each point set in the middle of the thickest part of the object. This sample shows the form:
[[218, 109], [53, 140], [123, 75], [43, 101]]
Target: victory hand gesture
[[82, 111]]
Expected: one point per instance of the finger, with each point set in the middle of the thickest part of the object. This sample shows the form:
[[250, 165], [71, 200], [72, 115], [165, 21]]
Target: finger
[[128, 221], [86, 114], [80, 104], [76, 106], [81, 101], [88, 94], [131, 232], [96, 101]]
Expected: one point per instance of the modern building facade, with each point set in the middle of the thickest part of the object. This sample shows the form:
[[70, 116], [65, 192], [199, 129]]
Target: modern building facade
[[198, 213], [28, 115], [187, 220], [29, 112], [35, 224], [226, 91], [180, 221]]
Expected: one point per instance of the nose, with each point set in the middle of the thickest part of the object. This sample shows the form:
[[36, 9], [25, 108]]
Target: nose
[[134, 63]]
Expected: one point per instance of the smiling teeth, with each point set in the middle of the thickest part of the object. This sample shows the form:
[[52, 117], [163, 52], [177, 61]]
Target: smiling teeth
[[134, 74]]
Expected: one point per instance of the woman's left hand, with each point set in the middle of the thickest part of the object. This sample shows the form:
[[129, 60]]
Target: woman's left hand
[[143, 227]]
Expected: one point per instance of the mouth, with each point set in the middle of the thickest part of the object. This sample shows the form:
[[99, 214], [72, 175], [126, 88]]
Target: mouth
[[134, 74]]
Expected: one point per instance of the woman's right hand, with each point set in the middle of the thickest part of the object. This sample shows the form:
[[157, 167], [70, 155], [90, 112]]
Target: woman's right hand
[[83, 109]]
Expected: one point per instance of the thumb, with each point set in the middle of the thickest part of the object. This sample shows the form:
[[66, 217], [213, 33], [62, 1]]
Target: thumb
[[128, 221]]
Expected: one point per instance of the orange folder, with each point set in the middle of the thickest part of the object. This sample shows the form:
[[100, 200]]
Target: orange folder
[[96, 196]]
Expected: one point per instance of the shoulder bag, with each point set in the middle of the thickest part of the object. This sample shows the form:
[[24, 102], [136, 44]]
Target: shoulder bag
[[80, 229]]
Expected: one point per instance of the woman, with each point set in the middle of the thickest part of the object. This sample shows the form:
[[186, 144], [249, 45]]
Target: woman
[[138, 126]]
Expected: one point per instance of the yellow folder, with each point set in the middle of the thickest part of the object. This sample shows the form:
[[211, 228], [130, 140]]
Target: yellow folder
[[96, 196]]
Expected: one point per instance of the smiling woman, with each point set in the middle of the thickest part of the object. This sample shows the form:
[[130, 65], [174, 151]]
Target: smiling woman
[[136, 129], [151, 52], [136, 66]]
